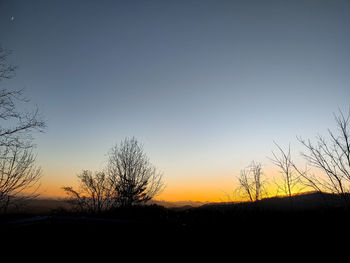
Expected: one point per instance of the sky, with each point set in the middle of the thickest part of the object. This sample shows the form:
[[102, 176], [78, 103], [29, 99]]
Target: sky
[[205, 86]]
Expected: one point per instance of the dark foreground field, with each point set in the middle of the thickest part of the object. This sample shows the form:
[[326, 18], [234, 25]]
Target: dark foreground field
[[309, 221]]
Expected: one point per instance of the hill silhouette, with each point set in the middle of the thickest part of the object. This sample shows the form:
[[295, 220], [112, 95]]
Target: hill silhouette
[[313, 215], [305, 202]]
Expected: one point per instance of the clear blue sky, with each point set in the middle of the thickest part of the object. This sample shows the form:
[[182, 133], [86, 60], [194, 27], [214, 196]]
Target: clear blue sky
[[206, 86]]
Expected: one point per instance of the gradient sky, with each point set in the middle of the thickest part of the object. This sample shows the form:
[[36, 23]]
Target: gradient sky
[[206, 86]]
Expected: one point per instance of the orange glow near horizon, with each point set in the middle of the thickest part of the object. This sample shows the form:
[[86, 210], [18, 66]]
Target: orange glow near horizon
[[192, 188], [200, 189], [171, 193], [190, 193]]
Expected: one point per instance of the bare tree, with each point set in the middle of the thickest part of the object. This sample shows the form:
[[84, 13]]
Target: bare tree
[[19, 175], [16, 127], [94, 194], [291, 179], [134, 179], [18, 171], [129, 179], [332, 156], [251, 183]]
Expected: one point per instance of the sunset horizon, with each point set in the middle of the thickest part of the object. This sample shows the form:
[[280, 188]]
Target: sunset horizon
[[151, 127], [209, 89]]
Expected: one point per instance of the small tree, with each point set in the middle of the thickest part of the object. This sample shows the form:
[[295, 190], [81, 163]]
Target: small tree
[[291, 179], [94, 194], [251, 183], [135, 180]]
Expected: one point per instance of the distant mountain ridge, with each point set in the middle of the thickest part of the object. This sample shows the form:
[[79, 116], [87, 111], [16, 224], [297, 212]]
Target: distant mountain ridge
[[177, 204], [304, 201]]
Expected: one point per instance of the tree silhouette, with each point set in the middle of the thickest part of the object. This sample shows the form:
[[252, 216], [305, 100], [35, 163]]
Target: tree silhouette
[[332, 156], [16, 126], [251, 183], [291, 179], [128, 180], [94, 194], [18, 173], [135, 180]]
